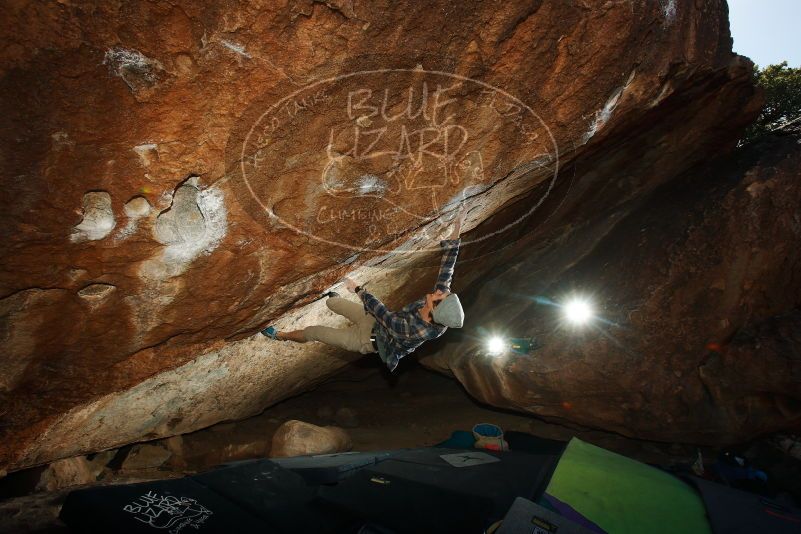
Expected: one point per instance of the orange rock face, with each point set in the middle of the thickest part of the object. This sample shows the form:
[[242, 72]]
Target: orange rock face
[[177, 176]]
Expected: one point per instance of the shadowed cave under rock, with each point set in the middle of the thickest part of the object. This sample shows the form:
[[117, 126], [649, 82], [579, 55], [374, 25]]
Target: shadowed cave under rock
[[178, 176]]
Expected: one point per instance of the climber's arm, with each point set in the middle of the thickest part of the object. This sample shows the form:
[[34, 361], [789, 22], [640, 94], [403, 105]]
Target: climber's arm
[[450, 247], [396, 324], [446, 268], [391, 321]]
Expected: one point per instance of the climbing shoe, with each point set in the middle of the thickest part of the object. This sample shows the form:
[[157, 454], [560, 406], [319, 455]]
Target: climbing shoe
[[270, 332]]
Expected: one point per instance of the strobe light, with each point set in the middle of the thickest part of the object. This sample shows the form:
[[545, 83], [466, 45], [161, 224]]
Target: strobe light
[[578, 311], [496, 345]]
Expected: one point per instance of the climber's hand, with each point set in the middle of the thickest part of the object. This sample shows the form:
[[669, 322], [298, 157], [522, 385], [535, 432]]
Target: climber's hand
[[459, 218], [350, 285]]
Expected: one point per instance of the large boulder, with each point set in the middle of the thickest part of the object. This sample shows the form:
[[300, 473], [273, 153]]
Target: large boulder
[[696, 292], [74, 471], [178, 175], [67, 472]]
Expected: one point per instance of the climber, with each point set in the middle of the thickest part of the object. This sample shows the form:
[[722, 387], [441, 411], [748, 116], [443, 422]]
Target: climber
[[392, 335]]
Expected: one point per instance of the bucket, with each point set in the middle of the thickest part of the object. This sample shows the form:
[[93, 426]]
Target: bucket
[[489, 436]]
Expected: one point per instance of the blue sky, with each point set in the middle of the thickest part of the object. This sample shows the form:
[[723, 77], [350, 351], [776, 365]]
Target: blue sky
[[767, 31]]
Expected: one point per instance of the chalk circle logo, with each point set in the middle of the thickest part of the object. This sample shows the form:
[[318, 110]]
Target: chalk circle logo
[[168, 511], [361, 159]]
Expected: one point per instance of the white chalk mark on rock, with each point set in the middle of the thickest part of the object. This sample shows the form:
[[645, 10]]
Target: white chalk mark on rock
[[193, 226], [235, 47], [370, 183], [212, 205], [135, 209], [98, 218], [136, 70], [146, 152], [603, 115], [669, 11], [242, 52]]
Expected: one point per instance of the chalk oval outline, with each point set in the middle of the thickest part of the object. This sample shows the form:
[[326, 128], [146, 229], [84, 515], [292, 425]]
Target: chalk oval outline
[[269, 212]]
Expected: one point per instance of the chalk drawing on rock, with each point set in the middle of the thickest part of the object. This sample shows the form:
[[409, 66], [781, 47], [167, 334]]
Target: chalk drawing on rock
[[470, 169], [98, 218]]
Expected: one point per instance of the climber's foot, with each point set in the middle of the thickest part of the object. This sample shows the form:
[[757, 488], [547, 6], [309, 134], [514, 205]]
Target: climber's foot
[[270, 332]]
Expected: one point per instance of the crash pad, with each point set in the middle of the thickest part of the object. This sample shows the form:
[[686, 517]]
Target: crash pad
[[622, 495]]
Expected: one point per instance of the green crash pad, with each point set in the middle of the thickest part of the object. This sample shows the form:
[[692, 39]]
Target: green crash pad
[[621, 495]]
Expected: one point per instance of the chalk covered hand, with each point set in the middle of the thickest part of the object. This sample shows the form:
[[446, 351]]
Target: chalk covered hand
[[350, 285]]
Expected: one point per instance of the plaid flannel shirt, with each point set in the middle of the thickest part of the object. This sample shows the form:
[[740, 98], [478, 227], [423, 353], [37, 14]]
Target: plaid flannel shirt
[[399, 333]]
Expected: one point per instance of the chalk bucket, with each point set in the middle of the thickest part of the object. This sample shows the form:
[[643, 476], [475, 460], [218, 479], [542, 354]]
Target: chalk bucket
[[489, 436]]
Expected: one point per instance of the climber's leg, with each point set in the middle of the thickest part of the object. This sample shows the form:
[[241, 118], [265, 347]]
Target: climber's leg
[[365, 326], [347, 308], [349, 338]]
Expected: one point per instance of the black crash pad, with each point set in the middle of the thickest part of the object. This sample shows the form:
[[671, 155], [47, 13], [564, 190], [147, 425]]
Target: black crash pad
[[331, 468], [528, 517], [732, 511], [276, 495], [180, 505], [417, 491]]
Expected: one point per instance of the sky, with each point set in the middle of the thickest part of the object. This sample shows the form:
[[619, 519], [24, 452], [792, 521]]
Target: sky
[[767, 31]]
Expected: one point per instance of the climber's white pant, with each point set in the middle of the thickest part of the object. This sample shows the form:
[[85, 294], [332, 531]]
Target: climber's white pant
[[355, 338]]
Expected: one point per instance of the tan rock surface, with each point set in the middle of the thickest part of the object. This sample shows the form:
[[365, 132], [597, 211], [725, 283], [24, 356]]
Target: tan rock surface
[[145, 456], [296, 438], [65, 473]]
